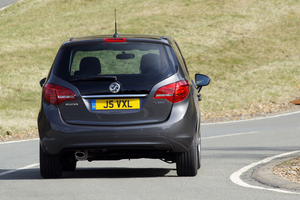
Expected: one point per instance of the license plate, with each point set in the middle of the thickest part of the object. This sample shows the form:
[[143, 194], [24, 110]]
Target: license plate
[[115, 104]]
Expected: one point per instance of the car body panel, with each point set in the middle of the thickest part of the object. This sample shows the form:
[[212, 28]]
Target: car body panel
[[158, 125], [173, 134]]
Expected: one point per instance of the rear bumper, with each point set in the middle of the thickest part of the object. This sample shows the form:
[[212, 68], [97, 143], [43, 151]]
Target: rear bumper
[[176, 134]]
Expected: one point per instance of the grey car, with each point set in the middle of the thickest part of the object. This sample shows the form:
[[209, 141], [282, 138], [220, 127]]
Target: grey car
[[125, 97]]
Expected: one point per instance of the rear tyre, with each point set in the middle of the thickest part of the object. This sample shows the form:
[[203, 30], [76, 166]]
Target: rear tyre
[[69, 165], [187, 163], [199, 155], [50, 165]]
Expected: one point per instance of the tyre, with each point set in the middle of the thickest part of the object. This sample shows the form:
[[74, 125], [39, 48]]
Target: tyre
[[69, 165], [199, 155], [187, 163], [50, 165]]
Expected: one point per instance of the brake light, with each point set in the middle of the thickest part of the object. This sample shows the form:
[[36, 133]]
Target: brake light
[[114, 39], [174, 92], [56, 94]]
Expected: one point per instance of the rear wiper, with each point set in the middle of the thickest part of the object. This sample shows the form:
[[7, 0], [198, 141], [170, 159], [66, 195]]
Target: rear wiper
[[96, 78]]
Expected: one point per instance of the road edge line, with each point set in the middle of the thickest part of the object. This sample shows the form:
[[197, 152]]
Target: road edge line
[[228, 135], [21, 168], [18, 141], [252, 119], [235, 177]]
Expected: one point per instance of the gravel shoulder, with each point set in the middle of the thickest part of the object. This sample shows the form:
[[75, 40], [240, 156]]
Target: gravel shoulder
[[24, 135], [289, 170]]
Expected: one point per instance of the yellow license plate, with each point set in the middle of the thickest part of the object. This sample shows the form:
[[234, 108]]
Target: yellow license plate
[[115, 104]]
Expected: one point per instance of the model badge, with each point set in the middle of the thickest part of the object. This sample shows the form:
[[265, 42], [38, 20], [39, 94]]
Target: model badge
[[158, 102], [114, 87], [71, 104]]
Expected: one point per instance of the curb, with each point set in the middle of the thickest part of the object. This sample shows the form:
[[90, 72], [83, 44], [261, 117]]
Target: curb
[[264, 175]]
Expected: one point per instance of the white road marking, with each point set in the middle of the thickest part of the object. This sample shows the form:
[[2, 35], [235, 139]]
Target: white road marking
[[228, 135], [9, 5], [22, 168], [4, 7], [252, 119], [235, 177], [18, 141]]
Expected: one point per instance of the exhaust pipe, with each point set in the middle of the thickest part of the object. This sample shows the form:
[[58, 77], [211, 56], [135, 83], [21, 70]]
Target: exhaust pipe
[[81, 155]]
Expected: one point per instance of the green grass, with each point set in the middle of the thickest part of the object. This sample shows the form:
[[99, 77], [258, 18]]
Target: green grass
[[249, 48]]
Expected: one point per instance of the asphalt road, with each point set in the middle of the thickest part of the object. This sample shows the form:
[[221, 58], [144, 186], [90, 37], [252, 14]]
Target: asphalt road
[[226, 149], [4, 3]]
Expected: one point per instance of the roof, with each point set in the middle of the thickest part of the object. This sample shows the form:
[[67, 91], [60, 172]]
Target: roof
[[164, 39]]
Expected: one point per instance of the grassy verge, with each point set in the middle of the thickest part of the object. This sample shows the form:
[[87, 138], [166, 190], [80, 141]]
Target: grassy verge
[[249, 48]]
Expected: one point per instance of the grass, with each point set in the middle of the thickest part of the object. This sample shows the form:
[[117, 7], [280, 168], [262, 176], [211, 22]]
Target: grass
[[249, 48]]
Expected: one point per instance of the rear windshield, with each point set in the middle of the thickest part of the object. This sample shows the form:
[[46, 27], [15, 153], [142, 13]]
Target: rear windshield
[[130, 62]]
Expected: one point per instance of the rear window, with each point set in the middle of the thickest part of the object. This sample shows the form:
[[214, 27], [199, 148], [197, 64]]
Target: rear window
[[129, 61]]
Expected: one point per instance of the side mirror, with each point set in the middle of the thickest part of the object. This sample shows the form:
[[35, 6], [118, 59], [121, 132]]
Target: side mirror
[[201, 80], [42, 82]]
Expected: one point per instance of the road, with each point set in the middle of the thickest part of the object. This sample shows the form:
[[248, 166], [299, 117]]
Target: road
[[4, 3], [226, 148]]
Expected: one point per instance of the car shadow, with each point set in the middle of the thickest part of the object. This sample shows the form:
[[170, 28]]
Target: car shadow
[[88, 173], [118, 173]]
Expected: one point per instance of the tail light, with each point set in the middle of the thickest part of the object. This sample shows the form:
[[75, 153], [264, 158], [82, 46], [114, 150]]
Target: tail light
[[174, 92], [56, 94]]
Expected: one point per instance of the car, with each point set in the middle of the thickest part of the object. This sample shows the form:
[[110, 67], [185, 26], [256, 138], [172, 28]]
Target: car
[[119, 97]]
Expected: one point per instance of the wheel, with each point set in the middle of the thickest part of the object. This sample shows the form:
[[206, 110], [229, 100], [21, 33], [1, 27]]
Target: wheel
[[187, 163], [199, 155], [50, 165], [68, 165]]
